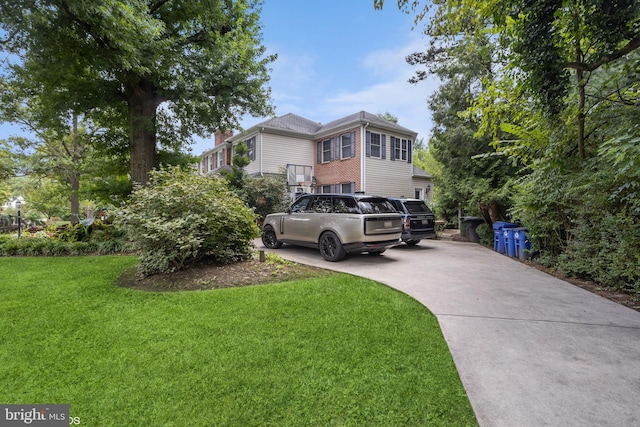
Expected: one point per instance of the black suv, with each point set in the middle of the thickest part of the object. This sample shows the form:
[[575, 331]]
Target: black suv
[[418, 222]]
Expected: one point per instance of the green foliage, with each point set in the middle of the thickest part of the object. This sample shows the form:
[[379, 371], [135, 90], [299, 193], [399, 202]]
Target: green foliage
[[7, 170], [238, 176], [605, 247], [97, 238], [120, 61], [267, 195], [584, 221], [556, 86], [180, 218]]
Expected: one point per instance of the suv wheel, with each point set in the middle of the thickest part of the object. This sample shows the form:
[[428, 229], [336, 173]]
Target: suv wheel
[[330, 247], [269, 238]]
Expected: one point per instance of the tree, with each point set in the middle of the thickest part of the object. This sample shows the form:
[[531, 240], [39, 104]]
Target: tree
[[61, 157], [388, 116], [543, 43], [165, 67], [237, 176], [7, 170], [45, 198]]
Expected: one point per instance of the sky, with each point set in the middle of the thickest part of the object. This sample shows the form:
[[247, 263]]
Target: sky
[[336, 58]]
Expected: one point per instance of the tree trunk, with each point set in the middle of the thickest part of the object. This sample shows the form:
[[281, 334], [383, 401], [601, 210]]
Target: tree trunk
[[75, 202], [74, 178], [142, 104], [581, 103]]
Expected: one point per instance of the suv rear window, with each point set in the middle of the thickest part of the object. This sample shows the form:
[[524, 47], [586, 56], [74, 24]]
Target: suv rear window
[[416, 207], [375, 206]]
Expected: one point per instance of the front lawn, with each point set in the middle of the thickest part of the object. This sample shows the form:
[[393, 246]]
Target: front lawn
[[335, 350]]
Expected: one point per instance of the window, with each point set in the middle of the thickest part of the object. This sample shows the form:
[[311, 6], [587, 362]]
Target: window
[[346, 187], [376, 145], [376, 205], [345, 205], [417, 193], [324, 151], [211, 164], [220, 158], [400, 149], [325, 189], [251, 148], [302, 205], [347, 145], [321, 204], [299, 173]]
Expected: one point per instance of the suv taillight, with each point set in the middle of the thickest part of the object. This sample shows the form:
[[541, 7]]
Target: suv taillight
[[407, 223]]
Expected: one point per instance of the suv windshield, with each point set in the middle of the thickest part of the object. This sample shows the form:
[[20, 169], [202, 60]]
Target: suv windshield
[[375, 206], [416, 207]]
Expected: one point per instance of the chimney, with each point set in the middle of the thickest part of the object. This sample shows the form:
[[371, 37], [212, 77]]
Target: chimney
[[221, 137]]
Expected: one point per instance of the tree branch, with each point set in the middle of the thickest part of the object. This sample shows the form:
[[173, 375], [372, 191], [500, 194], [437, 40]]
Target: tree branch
[[154, 6], [632, 45]]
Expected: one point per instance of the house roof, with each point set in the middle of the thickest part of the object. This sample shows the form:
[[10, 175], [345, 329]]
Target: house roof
[[292, 124], [363, 118], [419, 173]]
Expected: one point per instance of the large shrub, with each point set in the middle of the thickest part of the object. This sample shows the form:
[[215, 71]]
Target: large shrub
[[180, 218], [267, 195], [584, 220]]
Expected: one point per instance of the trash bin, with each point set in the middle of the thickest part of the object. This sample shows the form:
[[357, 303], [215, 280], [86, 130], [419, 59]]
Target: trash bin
[[469, 225], [522, 243], [498, 238], [509, 243]]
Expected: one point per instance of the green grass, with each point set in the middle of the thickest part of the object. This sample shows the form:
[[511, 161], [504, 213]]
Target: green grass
[[330, 351]]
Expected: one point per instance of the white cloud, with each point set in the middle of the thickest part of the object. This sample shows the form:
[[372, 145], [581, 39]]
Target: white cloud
[[376, 83], [392, 92]]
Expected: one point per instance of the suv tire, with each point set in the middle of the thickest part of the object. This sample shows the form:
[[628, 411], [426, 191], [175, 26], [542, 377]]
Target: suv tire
[[330, 247], [269, 238]]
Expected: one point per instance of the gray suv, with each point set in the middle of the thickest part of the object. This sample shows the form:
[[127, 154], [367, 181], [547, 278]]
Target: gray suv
[[336, 224], [418, 222]]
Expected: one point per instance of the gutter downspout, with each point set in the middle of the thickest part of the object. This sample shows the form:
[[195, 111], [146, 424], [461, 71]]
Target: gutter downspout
[[363, 155]]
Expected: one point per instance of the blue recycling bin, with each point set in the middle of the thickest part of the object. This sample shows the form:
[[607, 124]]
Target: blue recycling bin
[[498, 235], [509, 243], [522, 243]]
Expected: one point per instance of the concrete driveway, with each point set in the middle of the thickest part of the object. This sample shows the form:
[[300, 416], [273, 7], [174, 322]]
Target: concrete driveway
[[531, 350]]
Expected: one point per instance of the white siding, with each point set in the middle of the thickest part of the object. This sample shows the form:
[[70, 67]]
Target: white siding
[[386, 177], [276, 151], [391, 178]]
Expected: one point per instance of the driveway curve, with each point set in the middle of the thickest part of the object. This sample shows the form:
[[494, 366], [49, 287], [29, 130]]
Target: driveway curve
[[530, 349]]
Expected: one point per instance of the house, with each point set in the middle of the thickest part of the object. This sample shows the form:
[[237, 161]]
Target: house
[[357, 153]]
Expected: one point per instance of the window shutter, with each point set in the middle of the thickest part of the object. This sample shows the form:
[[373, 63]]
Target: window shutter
[[319, 159], [337, 146], [383, 146], [368, 144], [409, 149], [332, 149], [352, 187], [353, 144]]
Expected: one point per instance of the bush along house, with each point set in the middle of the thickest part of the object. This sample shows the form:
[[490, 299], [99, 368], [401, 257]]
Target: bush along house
[[357, 153]]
